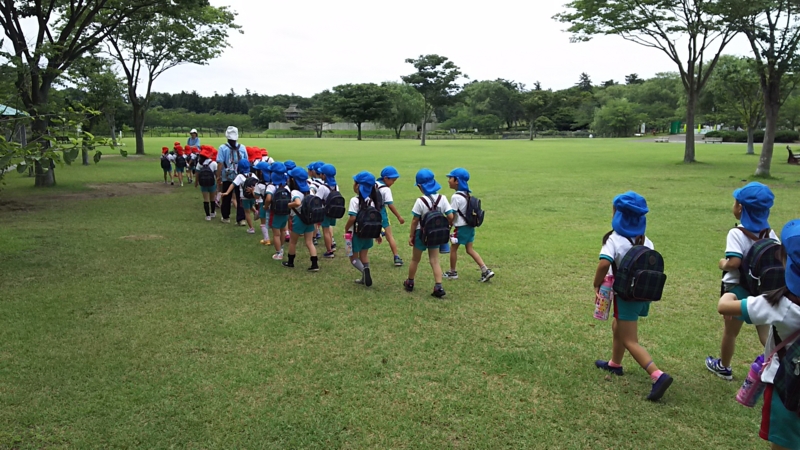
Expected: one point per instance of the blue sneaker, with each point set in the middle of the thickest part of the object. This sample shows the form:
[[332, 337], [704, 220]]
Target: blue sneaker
[[600, 364], [714, 365], [660, 387], [444, 248]]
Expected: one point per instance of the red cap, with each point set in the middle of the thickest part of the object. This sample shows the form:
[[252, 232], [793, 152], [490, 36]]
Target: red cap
[[164, 150]]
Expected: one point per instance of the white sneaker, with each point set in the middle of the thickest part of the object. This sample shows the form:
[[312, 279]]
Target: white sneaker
[[278, 256], [225, 220], [213, 215], [251, 231], [208, 218]]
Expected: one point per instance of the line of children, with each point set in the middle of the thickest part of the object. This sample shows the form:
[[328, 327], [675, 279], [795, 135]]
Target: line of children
[[326, 185]]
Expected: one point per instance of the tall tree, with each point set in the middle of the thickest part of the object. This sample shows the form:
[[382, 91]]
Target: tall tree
[[585, 83], [359, 103], [435, 79], [47, 37], [534, 105], [773, 29], [406, 105], [156, 42], [633, 79], [660, 24]]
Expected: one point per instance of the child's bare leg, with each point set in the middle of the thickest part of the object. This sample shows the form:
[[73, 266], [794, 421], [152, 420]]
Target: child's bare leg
[[309, 237], [433, 258], [617, 346], [728, 347], [293, 243], [628, 332], [248, 216], [454, 256], [471, 252], [327, 234], [415, 259], [277, 239]]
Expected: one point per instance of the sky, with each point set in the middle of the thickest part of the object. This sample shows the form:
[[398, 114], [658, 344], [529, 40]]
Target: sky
[[307, 47]]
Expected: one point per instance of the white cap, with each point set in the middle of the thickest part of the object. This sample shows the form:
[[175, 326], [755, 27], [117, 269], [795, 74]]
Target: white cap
[[193, 131], [232, 134]]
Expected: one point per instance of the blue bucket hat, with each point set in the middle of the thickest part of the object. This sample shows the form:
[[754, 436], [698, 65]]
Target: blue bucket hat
[[366, 183], [278, 170], [262, 166], [389, 173], [244, 166], [629, 219], [790, 238], [300, 176], [290, 165], [756, 200], [462, 176], [425, 179], [330, 173]]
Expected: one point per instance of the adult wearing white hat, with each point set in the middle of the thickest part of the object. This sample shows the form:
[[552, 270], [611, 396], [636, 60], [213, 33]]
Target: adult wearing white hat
[[228, 157], [193, 141]]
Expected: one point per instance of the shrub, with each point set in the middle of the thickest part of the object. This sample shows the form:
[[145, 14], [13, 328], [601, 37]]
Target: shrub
[[787, 136]]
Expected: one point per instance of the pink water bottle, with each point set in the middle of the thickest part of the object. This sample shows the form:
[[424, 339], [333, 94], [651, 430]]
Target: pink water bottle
[[348, 243], [602, 303], [753, 387]]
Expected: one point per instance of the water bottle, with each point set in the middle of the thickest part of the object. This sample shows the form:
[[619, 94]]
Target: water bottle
[[602, 303], [348, 243], [753, 387]]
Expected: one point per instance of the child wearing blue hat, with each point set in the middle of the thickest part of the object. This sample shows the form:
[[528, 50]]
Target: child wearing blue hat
[[389, 176], [298, 183], [458, 180], [628, 229], [364, 188], [431, 200], [244, 196], [277, 223], [751, 206], [779, 311], [327, 184]]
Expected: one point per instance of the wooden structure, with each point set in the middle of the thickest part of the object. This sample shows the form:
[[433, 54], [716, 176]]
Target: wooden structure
[[293, 113]]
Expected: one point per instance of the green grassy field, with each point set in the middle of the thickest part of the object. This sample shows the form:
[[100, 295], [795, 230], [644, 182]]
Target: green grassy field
[[126, 320]]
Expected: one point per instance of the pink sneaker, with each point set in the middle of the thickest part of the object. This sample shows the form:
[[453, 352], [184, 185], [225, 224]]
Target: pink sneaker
[[251, 231]]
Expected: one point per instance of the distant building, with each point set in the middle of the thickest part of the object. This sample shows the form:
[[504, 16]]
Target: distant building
[[292, 113]]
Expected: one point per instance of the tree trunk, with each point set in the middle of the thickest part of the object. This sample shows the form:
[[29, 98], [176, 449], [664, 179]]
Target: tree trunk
[[359, 130], [689, 154], [531, 127], [424, 130], [771, 109], [750, 140], [44, 170], [397, 131], [138, 127]]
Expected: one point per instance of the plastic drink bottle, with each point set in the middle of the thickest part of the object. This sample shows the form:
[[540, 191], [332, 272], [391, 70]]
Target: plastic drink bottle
[[753, 387], [348, 243], [602, 303]]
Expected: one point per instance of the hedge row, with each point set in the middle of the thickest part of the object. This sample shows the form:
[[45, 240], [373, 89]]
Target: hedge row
[[782, 136]]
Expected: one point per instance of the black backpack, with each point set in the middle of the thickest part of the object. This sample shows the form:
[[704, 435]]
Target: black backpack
[[335, 207], [640, 276], [206, 177], [434, 224], [368, 220], [762, 268], [474, 213], [180, 162], [165, 164], [312, 210], [280, 201], [787, 380], [377, 197], [249, 183]]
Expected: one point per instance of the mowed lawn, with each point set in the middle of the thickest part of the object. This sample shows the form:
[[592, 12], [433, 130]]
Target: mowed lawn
[[126, 320]]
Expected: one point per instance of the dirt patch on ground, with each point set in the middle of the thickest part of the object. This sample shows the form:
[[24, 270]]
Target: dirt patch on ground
[[142, 237], [105, 190]]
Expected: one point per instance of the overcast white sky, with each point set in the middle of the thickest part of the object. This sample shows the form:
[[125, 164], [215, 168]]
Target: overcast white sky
[[306, 47]]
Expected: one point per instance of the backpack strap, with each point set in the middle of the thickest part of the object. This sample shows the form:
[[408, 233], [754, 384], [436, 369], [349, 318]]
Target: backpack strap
[[466, 197], [763, 234]]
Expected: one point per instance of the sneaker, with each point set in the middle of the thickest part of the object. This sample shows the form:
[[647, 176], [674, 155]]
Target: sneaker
[[181, 184], [278, 256], [316, 242], [444, 248], [714, 365], [208, 218], [359, 281], [288, 265], [409, 285], [213, 215], [600, 364], [225, 220], [397, 261], [660, 387], [287, 237], [367, 277], [438, 293], [333, 246], [265, 242], [329, 255], [313, 269], [172, 183], [451, 275], [317, 236], [251, 231], [486, 276], [242, 223]]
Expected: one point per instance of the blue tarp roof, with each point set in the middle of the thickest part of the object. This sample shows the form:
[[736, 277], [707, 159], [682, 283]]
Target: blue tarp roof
[[9, 111]]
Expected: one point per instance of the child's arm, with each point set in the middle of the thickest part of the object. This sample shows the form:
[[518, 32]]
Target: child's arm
[[351, 220], [451, 218], [414, 224], [396, 214], [296, 203], [600, 275], [230, 189], [728, 264], [729, 306]]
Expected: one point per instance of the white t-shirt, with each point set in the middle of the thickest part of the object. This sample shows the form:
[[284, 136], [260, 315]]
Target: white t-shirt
[[323, 191], [272, 189], [738, 245], [267, 159], [355, 207], [212, 164], [386, 193], [420, 209], [785, 316], [295, 196], [617, 246], [171, 158], [459, 203], [239, 182], [260, 191]]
